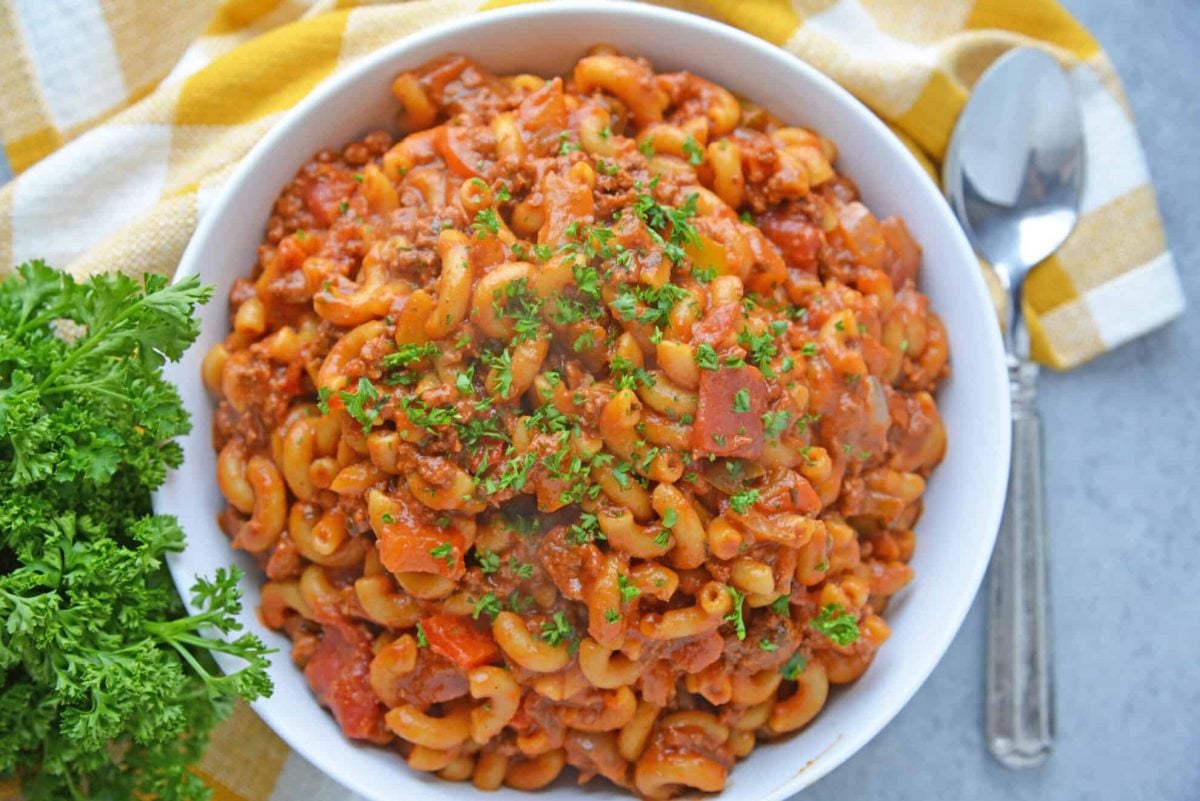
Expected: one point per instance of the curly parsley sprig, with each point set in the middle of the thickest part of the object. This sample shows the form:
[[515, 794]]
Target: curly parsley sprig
[[109, 688]]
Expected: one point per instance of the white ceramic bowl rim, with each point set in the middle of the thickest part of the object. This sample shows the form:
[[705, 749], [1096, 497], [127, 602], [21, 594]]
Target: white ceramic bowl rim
[[985, 384]]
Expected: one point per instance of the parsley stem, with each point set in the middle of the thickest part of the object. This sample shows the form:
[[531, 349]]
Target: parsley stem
[[93, 340], [92, 386]]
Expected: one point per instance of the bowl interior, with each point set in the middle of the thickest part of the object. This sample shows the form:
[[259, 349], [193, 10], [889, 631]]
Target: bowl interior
[[964, 496]]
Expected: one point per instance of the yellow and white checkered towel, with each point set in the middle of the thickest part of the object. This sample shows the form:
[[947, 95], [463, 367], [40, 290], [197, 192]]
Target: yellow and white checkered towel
[[121, 118]]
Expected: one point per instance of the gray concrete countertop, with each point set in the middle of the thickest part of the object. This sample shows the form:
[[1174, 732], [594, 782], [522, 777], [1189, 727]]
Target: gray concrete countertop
[[1122, 456]]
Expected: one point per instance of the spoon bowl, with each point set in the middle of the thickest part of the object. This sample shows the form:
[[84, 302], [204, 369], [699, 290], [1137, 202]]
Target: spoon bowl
[[1014, 168]]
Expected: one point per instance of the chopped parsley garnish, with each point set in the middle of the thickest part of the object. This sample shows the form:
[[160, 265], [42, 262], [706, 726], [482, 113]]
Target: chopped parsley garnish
[[518, 602], [669, 519], [486, 222], [656, 302], [587, 280], [502, 364], [626, 376], [775, 423], [422, 640], [584, 341], [628, 590], [612, 615], [809, 349], [693, 151], [760, 346], [706, 357], [462, 381], [489, 561], [795, 665], [512, 476], [741, 400], [837, 624], [477, 429], [742, 501], [586, 530], [780, 606], [558, 630], [704, 275], [359, 405], [565, 146], [443, 551], [519, 305], [323, 396], [522, 570], [766, 645], [646, 147], [734, 615], [671, 222], [422, 415], [488, 605]]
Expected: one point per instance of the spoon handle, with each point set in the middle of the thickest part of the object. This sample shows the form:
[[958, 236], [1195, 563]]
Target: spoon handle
[[1020, 689]]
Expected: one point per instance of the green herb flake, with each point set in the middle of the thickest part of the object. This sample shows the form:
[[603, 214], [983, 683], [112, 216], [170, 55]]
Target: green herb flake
[[443, 551], [734, 615], [558, 630], [795, 665], [488, 605], [489, 561], [360, 404], [742, 501], [706, 357], [627, 589], [486, 222], [837, 624]]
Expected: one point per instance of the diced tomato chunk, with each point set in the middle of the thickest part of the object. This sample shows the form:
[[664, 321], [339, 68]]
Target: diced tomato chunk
[[462, 150], [789, 492], [457, 638], [797, 237], [325, 192], [718, 325], [729, 420], [411, 544], [859, 231], [339, 673]]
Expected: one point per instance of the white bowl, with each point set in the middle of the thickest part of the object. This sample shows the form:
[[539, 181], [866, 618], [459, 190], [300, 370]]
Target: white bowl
[[965, 495]]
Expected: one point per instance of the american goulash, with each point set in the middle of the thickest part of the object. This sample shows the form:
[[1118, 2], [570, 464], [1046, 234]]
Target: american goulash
[[586, 424]]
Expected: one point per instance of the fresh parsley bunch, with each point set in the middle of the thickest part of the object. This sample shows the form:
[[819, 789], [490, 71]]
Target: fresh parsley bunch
[[107, 689]]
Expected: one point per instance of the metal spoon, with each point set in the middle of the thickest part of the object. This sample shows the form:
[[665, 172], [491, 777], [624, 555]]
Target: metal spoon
[[1014, 175]]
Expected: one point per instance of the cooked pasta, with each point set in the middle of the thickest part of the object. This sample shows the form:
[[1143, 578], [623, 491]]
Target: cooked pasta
[[586, 424]]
